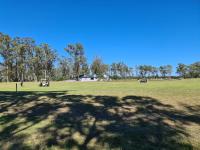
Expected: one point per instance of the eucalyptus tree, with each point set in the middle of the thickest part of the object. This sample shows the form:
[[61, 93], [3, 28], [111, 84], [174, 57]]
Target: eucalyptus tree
[[76, 51], [182, 70], [38, 63], [48, 58], [114, 69], [120, 70], [24, 60], [143, 70], [154, 71], [169, 70], [123, 69], [137, 71], [65, 67], [131, 71], [194, 70], [106, 69], [98, 67], [1, 72], [23, 57], [6, 53], [165, 70], [30, 46], [42, 61], [85, 69]]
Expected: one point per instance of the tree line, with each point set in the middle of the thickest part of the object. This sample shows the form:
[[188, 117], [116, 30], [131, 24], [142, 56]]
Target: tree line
[[21, 59]]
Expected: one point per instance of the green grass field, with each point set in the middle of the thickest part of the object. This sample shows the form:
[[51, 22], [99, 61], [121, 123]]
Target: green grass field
[[124, 115]]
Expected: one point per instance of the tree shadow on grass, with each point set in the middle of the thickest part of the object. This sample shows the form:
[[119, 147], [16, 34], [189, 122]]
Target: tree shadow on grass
[[94, 122]]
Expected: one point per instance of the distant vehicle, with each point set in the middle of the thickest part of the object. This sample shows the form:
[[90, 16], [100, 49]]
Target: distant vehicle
[[44, 83], [144, 80]]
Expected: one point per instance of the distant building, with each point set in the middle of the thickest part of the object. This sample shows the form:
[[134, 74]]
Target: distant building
[[87, 78]]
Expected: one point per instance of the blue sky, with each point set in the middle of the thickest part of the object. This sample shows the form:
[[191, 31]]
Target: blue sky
[[154, 32]]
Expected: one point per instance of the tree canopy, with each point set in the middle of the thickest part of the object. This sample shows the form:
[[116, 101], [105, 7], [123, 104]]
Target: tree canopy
[[24, 60]]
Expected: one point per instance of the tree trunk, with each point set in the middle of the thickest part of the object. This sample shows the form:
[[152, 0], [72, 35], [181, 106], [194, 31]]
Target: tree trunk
[[45, 74], [7, 73]]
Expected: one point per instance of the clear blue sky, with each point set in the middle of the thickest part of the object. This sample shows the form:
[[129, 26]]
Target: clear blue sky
[[154, 32]]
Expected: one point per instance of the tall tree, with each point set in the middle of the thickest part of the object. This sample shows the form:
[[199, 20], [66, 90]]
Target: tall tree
[[154, 71], [23, 59], [23, 53], [131, 72], [165, 70], [98, 67], [49, 57], [85, 69], [169, 70], [6, 53], [194, 70], [65, 66], [182, 70], [114, 69], [143, 70], [76, 51]]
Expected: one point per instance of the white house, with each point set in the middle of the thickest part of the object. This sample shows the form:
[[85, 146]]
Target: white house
[[85, 78]]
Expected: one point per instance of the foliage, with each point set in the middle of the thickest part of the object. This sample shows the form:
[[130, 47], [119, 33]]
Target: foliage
[[165, 70], [77, 54], [182, 70], [98, 67], [23, 60]]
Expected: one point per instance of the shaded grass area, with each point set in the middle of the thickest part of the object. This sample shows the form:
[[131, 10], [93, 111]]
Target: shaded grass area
[[59, 120]]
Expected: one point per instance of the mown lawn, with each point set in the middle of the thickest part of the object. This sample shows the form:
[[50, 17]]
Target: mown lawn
[[101, 115]]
